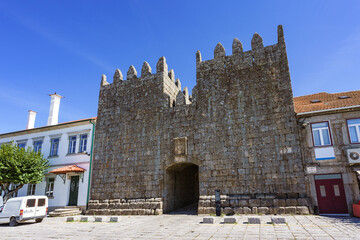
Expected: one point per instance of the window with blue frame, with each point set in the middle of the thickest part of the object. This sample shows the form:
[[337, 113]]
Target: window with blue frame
[[54, 147], [72, 144], [38, 145], [49, 189], [21, 145], [354, 130], [31, 189], [83, 142], [321, 134]]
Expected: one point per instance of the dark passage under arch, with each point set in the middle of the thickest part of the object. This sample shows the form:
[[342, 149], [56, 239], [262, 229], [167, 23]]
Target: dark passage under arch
[[182, 186]]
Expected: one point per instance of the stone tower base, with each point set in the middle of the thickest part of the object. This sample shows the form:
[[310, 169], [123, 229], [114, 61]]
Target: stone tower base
[[230, 204], [149, 206]]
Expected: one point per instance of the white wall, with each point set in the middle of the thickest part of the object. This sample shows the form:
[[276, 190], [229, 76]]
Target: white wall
[[61, 190]]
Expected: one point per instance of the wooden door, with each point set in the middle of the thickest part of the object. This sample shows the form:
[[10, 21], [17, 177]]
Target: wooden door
[[74, 191], [330, 194]]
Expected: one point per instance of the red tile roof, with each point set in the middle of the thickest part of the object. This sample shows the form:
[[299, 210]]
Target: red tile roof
[[327, 101], [67, 169]]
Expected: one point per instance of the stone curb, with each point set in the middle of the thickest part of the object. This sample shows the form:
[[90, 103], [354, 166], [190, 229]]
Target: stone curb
[[250, 220], [92, 219]]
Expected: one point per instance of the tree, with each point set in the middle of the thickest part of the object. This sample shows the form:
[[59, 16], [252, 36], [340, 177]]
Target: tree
[[19, 166]]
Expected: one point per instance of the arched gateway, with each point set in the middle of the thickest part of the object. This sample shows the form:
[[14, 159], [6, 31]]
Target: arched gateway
[[181, 186]]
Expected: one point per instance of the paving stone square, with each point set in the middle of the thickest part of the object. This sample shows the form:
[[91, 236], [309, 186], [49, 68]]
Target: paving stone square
[[186, 227]]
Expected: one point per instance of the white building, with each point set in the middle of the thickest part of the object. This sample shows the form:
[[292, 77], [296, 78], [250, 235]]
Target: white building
[[68, 147]]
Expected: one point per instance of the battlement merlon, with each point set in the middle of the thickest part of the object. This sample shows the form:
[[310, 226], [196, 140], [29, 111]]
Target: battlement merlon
[[258, 55], [162, 84]]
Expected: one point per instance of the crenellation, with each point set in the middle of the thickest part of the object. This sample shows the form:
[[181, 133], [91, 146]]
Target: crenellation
[[171, 75], [103, 80], [145, 70], [219, 51], [267, 55], [257, 42], [131, 73], [280, 33], [198, 57], [118, 77], [178, 84], [186, 95], [180, 99], [237, 47], [161, 65]]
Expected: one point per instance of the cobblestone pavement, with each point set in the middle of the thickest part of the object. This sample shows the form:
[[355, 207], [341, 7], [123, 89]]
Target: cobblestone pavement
[[187, 227]]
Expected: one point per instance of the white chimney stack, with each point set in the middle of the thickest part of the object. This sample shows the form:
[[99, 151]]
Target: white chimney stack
[[54, 109], [31, 120]]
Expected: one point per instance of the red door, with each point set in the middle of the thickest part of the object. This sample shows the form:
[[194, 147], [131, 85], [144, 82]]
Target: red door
[[330, 194]]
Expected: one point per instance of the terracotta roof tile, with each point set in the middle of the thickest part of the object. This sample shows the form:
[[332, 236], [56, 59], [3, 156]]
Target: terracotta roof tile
[[67, 169], [327, 101]]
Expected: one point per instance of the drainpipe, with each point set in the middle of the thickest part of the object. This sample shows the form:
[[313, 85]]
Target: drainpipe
[[91, 154]]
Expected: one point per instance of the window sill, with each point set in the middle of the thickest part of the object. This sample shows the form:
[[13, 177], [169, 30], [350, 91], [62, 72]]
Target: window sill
[[325, 160], [53, 156], [50, 197], [323, 146], [74, 154]]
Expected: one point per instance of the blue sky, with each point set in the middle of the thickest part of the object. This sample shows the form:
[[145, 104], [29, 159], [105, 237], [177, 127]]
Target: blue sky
[[65, 46]]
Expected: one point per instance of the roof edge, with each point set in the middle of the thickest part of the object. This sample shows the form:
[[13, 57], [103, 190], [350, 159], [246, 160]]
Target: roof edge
[[327, 110], [49, 127]]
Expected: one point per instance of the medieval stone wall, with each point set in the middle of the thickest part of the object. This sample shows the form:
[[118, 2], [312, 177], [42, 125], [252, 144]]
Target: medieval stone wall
[[238, 128]]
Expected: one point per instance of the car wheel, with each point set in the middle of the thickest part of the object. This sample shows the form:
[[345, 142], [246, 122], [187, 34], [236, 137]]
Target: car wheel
[[13, 222], [38, 219]]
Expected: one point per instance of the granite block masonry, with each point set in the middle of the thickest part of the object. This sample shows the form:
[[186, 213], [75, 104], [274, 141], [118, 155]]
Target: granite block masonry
[[158, 149]]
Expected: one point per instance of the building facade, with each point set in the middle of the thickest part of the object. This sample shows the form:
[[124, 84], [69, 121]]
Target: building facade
[[68, 148], [158, 149], [331, 147]]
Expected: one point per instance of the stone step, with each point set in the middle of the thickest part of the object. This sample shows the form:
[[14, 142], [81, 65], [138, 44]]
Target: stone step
[[66, 209], [64, 214]]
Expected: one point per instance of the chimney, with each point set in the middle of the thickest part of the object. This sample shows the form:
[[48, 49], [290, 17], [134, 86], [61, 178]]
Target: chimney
[[54, 109], [31, 119]]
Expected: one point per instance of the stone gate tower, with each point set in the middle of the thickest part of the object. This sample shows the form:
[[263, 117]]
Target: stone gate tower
[[158, 149]]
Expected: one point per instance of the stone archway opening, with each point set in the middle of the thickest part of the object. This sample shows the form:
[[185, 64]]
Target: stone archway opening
[[182, 188]]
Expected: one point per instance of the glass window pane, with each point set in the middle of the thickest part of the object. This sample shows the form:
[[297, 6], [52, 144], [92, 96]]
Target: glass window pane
[[21, 145], [41, 202], [322, 191], [54, 146], [353, 121], [37, 146], [336, 190], [326, 137], [319, 125], [30, 203], [83, 143], [316, 135], [353, 135], [72, 144]]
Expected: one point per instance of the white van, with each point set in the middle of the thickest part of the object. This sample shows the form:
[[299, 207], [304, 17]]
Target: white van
[[1, 203], [21, 209]]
